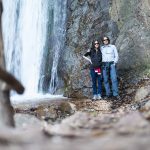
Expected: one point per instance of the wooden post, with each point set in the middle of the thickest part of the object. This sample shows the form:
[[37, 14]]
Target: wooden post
[[7, 82]]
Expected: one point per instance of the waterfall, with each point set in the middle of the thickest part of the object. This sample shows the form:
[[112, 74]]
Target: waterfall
[[58, 40], [25, 31]]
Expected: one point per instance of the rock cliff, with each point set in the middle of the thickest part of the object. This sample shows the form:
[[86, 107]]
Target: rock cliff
[[126, 22]]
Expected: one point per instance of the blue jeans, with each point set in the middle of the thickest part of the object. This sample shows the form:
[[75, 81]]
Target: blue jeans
[[96, 78], [110, 72]]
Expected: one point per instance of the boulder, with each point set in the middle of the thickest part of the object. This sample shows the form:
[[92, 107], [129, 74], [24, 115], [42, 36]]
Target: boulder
[[142, 93]]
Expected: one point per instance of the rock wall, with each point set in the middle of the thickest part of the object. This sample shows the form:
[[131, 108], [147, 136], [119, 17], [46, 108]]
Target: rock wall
[[133, 21], [126, 22]]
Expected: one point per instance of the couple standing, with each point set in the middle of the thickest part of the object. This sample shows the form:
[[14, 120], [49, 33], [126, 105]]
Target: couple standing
[[103, 60]]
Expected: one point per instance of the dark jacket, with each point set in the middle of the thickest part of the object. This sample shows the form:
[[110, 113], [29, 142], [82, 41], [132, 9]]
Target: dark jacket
[[96, 58]]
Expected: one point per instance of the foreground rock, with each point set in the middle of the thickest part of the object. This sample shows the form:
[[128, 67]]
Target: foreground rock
[[26, 121], [132, 123], [82, 124], [121, 134], [56, 110]]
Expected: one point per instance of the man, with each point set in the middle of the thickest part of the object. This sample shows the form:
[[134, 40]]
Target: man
[[109, 60]]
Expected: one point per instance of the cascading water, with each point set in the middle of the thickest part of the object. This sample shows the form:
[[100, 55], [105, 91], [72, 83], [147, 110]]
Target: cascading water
[[25, 31], [24, 26], [58, 40]]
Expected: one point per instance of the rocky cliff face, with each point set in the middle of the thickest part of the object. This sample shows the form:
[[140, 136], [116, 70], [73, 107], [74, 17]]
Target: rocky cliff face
[[126, 22], [133, 21]]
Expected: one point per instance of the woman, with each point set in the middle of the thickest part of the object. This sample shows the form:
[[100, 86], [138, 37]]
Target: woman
[[95, 68]]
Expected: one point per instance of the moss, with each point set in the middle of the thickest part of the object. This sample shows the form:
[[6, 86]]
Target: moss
[[65, 108], [146, 72]]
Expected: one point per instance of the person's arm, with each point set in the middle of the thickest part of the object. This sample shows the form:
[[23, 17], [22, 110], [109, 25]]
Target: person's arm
[[88, 53], [116, 57]]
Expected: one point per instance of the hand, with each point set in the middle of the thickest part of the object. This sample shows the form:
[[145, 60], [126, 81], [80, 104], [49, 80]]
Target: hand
[[88, 50]]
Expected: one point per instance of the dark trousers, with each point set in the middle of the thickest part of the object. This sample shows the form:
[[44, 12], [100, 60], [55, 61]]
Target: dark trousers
[[96, 79]]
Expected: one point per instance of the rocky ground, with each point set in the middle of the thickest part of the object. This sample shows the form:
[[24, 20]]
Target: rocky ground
[[83, 124]]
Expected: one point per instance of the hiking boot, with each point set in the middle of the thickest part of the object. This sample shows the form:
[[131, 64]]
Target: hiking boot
[[99, 97], [117, 98], [107, 97], [94, 98]]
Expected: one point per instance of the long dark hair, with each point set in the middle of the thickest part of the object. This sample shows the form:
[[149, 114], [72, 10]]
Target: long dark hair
[[93, 44]]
